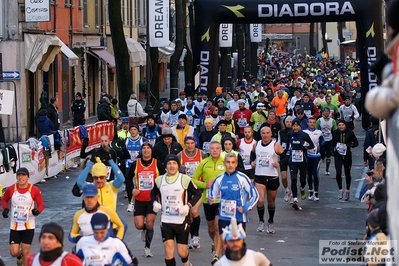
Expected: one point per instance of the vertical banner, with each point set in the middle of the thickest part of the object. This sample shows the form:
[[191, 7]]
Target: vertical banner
[[6, 102], [158, 22], [369, 42], [206, 55], [225, 35], [256, 32]]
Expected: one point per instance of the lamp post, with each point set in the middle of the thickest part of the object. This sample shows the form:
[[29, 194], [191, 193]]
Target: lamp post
[[148, 108]]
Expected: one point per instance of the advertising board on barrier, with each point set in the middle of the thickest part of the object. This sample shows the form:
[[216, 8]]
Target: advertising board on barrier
[[94, 131]]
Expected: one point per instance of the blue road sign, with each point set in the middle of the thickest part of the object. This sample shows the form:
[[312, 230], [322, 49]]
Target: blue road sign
[[11, 74]]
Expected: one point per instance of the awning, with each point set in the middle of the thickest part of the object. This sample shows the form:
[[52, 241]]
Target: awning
[[166, 52], [70, 55], [137, 53], [40, 51], [103, 54]]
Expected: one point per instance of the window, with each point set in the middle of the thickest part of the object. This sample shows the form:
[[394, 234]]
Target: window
[[80, 4], [68, 3], [269, 25], [85, 14], [298, 42], [96, 15], [298, 24], [106, 14], [288, 24], [278, 25]]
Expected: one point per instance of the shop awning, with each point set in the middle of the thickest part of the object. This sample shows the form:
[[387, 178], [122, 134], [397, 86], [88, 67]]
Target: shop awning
[[70, 55], [137, 53], [166, 52], [103, 54], [40, 51]]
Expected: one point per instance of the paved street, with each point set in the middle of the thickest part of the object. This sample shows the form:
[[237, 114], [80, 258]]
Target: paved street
[[296, 241]]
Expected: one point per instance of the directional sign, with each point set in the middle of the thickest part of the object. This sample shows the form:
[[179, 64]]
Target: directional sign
[[11, 74]]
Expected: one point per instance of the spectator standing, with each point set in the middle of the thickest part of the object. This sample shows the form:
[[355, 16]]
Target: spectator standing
[[52, 112], [78, 109]]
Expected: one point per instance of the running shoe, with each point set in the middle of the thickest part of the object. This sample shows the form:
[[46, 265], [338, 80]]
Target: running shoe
[[296, 206], [147, 253], [130, 207], [347, 195], [327, 172], [316, 196], [143, 233], [287, 196], [188, 263], [214, 260], [196, 242], [303, 194], [261, 226], [270, 228], [20, 260], [340, 194], [311, 196]]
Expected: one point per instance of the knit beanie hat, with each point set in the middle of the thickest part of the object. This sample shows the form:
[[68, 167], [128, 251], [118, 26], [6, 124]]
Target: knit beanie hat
[[99, 169], [171, 157], [54, 229]]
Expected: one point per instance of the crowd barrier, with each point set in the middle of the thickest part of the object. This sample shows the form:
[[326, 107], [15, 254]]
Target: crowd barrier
[[41, 165]]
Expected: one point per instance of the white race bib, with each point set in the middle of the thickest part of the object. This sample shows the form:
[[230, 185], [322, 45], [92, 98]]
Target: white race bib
[[172, 206], [21, 214], [264, 161], [190, 167], [312, 152], [297, 156], [228, 208], [341, 148], [146, 180], [205, 147], [242, 122]]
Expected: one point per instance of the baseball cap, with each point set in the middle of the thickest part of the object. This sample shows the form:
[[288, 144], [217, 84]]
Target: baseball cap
[[99, 221], [125, 120], [182, 93], [23, 171], [78, 94], [90, 190]]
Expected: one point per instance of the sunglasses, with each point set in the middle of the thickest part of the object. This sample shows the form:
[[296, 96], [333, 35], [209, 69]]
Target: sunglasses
[[98, 177]]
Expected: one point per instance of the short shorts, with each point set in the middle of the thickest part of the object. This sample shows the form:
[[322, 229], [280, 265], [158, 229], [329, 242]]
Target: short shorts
[[142, 208], [180, 232], [22, 236], [211, 211], [270, 182]]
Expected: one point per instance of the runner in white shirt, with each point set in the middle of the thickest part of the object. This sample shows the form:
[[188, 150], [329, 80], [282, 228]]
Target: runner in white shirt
[[245, 146]]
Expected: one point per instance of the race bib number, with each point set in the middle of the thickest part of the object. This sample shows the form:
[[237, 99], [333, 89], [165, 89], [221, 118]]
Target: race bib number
[[190, 167], [172, 206], [146, 180], [95, 260], [327, 135], [258, 124], [133, 155], [205, 147], [172, 123], [341, 148], [197, 121], [242, 122], [246, 159], [228, 208], [21, 214], [284, 145], [264, 161], [312, 152], [283, 116], [297, 156]]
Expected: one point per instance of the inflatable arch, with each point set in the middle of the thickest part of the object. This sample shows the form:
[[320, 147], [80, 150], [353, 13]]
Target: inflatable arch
[[210, 13]]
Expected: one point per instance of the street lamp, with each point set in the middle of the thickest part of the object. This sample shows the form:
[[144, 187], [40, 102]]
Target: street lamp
[[148, 108]]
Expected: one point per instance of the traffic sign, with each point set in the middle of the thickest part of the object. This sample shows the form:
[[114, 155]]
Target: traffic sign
[[11, 74]]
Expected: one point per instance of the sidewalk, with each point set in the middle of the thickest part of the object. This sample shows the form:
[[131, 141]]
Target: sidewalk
[[165, 94]]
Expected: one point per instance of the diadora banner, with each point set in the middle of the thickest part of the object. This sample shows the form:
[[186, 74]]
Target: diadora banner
[[225, 35], [369, 29]]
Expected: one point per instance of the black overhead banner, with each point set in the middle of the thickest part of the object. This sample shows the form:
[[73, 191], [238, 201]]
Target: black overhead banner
[[210, 13]]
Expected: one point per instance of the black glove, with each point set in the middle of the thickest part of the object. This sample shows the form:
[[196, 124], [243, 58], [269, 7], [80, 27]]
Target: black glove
[[5, 212], [121, 143], [35, 212], [135, 261], [93, 158]]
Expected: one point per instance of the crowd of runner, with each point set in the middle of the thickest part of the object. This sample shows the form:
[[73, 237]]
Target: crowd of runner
[[225, 154]]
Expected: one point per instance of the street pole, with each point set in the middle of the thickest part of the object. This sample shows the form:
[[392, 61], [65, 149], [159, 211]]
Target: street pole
[[148, 108]]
